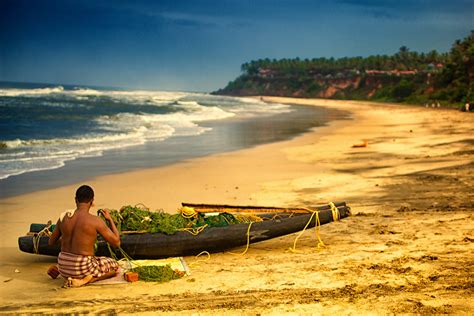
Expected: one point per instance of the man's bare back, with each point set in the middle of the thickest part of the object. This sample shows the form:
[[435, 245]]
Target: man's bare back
[[77, 234]]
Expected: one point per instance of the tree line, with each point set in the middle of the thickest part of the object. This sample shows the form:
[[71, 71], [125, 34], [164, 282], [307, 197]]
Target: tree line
[[406, 76], [404, 59]]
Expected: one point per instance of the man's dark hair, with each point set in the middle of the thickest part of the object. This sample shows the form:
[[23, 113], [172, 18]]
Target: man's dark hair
[[84, 194]]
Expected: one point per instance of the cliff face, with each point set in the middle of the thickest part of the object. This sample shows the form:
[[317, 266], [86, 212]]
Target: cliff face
[[406, 76], [340, 86]]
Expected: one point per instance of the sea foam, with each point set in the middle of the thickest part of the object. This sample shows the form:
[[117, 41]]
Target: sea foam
[[104, 120], [30, 92]]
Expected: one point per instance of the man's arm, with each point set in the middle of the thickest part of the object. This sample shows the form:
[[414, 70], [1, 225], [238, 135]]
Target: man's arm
[[55, 235], [111, 235]]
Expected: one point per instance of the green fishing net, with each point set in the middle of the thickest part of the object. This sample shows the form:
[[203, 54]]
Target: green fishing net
[[158, 274], [140, 219]]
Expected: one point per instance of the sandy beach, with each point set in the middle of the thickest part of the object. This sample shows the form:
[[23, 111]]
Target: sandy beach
[[407, 248]]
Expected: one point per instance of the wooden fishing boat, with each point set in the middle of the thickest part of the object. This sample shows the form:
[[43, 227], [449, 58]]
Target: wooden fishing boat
[[276, 222]]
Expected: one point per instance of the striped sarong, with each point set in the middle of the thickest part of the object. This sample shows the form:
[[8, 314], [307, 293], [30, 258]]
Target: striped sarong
[[79, 266]]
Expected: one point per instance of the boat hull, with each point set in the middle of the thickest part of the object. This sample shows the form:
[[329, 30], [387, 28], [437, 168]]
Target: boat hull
[[213, 239]]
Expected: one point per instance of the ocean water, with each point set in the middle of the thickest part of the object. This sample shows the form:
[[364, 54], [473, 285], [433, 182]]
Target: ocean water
[[44, 127], [55, 134]]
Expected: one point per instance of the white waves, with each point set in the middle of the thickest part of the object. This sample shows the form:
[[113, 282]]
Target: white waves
[[30, 92], [181, 115]]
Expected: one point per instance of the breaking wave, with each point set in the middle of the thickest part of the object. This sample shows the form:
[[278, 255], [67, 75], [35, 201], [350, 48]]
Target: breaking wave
[[103, 120]]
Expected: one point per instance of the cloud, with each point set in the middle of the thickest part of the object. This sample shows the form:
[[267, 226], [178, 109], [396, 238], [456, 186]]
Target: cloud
[[451, 6], [381, 14], [410, 10], [189, 20], [206, 14]]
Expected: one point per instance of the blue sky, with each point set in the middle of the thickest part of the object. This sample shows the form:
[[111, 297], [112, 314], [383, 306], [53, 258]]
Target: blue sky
[[199, 45]]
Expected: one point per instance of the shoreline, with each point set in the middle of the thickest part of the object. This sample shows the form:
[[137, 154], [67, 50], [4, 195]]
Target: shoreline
[[240, 190], [226, 135], [406, 249]]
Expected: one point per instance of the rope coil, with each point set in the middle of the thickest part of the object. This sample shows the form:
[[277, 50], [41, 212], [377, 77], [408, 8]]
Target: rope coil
[[188, 212]]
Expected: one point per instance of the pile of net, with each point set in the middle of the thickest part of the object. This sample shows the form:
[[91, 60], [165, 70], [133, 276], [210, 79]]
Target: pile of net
[[158, 274], [140, 219]]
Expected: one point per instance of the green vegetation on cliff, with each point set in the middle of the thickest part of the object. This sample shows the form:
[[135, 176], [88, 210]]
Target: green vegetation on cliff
[[406, 76]]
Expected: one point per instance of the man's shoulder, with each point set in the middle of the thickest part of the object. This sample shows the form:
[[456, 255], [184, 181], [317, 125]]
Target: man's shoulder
[[93, 219]]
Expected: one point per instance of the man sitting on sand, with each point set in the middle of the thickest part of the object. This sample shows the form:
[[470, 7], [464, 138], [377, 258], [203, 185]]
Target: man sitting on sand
[[77, 231]]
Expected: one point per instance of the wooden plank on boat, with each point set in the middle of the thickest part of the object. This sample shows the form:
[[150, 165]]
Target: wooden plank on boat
[[209, 208]]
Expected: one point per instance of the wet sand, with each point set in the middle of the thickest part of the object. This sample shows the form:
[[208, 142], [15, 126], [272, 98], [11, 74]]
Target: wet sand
[[407, 248]]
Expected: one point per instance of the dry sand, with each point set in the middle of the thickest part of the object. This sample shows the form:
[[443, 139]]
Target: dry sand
[[408, 247]]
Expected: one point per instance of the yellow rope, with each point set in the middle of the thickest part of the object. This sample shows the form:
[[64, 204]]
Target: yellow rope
[[317, 229], [188, 212], [209, 255], [194, 231], [248, 243], [277, 216], [200, 260], [336, 215], [37, 238]]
